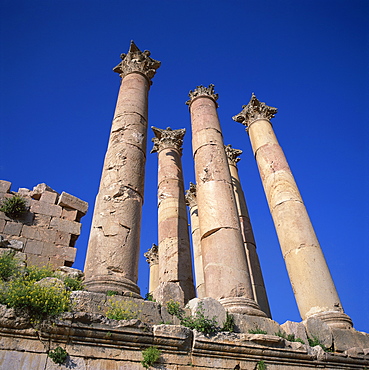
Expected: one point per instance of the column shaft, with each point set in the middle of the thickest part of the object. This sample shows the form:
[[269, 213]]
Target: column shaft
[[196, 242], [256, 275], [225, 268], [153, 259], [175, 263], [114, 245], [310, 278]]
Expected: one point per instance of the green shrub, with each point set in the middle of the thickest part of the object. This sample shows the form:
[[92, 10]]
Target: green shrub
[[257, 331], [58, 355], [72, 283], [35, 273], [261, 365], [229, 323], [149, 297], [174, 309], [14, 207], [39, 301], [314, 341], [9, 266], [289, 337], [111, 293], [122, 310], [150, 356]]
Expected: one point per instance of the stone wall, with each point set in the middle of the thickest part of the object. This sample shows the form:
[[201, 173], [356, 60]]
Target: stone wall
[[94, 342], [47, 232]]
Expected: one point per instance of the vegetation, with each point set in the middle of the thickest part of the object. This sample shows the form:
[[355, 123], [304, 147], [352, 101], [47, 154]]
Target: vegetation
[[289, 337], [199, 321], [58, 355], [150, 356], [149, 297], [14, 207], [111, 293], [261, 365], [257, 330], [19, 289], [314, 341], [229, 323], [122, 310]]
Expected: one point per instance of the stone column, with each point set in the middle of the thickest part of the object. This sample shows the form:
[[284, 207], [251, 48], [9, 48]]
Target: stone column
[[256, 275], [225, 268], [114, 245], [191, 201], [311, 281], [152, 257], [175, 264]]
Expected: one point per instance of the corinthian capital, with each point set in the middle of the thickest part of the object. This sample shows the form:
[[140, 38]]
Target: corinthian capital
[[167, 139], [137, 61], [253, 111], [232, 154], [152, 256], [202, 91], [190, 196]]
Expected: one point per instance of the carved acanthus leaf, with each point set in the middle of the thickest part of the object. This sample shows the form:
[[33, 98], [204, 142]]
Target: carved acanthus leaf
[[152, 255], [254, 110], [167, 139], [190, 196], [203, 91], [232, 154], [137, 61]]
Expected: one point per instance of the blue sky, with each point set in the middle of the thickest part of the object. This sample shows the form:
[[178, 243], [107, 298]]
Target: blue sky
[[307, 58]]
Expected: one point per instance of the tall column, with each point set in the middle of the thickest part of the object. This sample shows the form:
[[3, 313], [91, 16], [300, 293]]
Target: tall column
[[256, 275], [311, 281], [191, 201], [175, 263], [114, 245], [225, 268], [152, 258]]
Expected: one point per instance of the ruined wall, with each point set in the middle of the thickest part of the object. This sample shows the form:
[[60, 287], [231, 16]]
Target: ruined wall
[[47, 232]]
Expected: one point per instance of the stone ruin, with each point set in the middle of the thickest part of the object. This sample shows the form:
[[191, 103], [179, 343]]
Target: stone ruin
[[47, 232], [228, 274]]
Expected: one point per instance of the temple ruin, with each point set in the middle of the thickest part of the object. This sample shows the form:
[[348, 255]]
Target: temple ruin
[[227, 271]]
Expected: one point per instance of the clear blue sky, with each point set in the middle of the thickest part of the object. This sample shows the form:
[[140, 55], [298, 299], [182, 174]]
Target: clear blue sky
[[308, 58]]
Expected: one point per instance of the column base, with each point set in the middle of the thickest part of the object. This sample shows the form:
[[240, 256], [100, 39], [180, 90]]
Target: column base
[[334, 319], [103, 284], [242, 305]]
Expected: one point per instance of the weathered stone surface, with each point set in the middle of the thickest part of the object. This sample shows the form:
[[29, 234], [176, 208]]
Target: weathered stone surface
[[13, 228], [244, 323], [38, 233], [49, 197], [295, 328], [46, 208], [69, 214], [168, 291], [34, 247], [16, 245], [66, 226], [9, 319], [70, 272], [70, 201], [52, 282], [210, 307], [5, 186], [316, 328], [345, 339], [2, 225], [41, 188]]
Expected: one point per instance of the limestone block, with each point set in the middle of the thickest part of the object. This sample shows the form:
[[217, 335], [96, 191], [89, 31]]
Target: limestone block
[[26, 218], [319, 329], [37, 260], [244, 323], [39, 189], [167, 334], [5, 186], [296, 328], [63, 238], [171, 227], [345, 339], [2, 225], [22, 360], [61, 252], [51, 282], [70, 272], [70, 201], [168, 291], [49, 197], [210, 307], [33, 247], [205, 137], [45, 208], [16, 245], [71, 362], [38, 233], [24, 192], [9, 319], [12, 228], [41, 220], [67, 226], [69, 214], [88, 301]]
